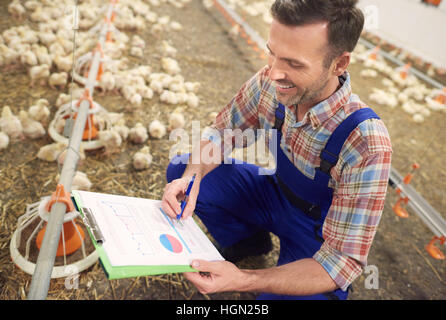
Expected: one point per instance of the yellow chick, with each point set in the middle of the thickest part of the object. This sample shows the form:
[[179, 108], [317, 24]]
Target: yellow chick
[[31, 128], [142, 159], [63, 63], [29, 58], [10, 124], [41, 73], [167, 49], [16, 9], [50, 152], [170, 66], [81, 182], [138, 134], [62, 99], [157, 129], [40, 111], [58, 79], [4, 140], [122, 129], [111, 140], [176, 119]]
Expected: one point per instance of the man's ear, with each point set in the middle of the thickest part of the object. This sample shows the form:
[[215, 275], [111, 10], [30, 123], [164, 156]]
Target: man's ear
[[341, 63]]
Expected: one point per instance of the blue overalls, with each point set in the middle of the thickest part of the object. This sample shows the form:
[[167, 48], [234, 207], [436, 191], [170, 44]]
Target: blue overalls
[[235, 202]]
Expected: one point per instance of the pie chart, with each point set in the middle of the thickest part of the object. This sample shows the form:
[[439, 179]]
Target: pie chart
[[171, 243]]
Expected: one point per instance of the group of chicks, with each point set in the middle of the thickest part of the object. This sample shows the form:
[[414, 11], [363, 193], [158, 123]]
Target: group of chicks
[[28, 124], [402, 88], [47, 55]]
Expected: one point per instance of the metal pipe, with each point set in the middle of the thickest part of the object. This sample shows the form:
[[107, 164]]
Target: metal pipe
[[398, 62], [47, 255]]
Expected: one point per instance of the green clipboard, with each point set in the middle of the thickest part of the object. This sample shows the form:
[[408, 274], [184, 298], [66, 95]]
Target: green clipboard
[[121, 272]]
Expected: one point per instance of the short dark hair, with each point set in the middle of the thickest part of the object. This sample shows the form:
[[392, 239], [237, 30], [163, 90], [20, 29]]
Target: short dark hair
[[346, 21]]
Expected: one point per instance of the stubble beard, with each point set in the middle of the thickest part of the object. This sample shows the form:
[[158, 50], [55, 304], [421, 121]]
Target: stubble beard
[[309, 95]]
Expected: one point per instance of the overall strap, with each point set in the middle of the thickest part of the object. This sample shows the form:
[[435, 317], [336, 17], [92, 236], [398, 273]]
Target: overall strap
[[279, 117], [330, 154]]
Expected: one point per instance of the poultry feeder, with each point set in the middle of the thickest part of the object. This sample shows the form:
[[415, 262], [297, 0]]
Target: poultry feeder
[[98, 120], [83, 63], [373, 53], [437, 99], [71, 239]]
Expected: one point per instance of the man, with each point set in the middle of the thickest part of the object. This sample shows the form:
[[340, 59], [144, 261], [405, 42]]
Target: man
[[333, 156]]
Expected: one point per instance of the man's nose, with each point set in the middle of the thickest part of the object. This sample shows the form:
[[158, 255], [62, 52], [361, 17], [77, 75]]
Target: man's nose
[[275, 72]]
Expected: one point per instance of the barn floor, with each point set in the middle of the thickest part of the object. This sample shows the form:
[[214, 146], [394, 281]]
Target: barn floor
[[208, 54]]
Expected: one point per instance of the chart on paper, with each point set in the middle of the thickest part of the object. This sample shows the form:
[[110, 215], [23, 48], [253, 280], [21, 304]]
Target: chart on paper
[[137, 232]]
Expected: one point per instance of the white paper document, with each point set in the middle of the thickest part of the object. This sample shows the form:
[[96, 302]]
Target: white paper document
[[136, 231]]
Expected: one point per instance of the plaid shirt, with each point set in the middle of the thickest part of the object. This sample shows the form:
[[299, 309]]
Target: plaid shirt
[[359, 179]]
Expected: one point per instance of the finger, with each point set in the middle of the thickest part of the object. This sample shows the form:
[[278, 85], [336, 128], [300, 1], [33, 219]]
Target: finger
[[171, 197], [206, 266], [167, 209]]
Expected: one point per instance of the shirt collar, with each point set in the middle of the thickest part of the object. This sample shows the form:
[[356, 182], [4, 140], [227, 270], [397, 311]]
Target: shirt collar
[[324, 110]]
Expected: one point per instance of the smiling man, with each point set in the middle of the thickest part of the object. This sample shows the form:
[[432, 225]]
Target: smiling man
[[333, 156]]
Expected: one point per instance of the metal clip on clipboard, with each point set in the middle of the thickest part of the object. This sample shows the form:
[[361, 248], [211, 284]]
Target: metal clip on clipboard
[[91, 223]]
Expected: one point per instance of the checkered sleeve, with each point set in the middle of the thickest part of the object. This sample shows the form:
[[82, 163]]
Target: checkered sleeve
[[240, 113], [358, 201]]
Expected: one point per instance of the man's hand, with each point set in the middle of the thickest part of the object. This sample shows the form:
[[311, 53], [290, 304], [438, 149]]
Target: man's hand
[[175, 192], [220, 276]]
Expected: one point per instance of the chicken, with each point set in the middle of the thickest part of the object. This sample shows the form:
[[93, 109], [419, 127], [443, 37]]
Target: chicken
[[169, 97], [192, 100], [211, 117], [81, 182], [41, 73], [42, 55], [40, 111], [142, 159], [368, 73], [31, 128], [137, 41], [157, 129], [107, 82], [175, 26], [50, 152], [170, 66], [10, 56], [62, 99], [136, 52], [138, 134], [10, 124], [58, 80], [383, 98], [176, 119], [4, 140], [111, 139], [192, 86], [167, 49], [63, 63], [122, 129], [16, 9], [29, 58]]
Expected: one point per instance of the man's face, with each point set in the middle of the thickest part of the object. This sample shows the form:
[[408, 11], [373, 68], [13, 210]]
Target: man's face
[[296, 56]]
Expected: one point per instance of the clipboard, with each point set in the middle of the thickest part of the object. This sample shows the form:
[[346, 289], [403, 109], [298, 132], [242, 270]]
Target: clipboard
[[100, 242]]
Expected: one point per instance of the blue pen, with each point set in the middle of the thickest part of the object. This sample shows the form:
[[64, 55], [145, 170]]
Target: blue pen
[[184, 202]]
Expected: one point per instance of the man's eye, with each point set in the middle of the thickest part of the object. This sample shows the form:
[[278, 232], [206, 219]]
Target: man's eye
[[294, 65]]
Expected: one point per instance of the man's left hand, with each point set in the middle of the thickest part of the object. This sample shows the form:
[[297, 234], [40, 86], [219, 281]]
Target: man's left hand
[[220, 276]]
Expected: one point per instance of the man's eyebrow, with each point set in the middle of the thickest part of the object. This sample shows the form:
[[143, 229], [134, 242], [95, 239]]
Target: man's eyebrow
[[286, 59]]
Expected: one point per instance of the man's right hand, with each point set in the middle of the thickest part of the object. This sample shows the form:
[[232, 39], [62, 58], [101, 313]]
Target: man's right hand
[[174, 192]]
